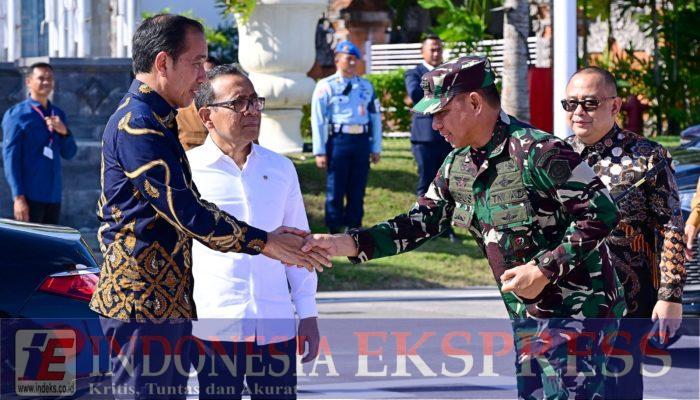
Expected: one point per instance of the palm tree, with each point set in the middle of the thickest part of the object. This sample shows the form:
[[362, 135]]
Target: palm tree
[[516, 26]]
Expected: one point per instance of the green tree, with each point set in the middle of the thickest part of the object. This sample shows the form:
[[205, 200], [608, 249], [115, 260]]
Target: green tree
[[460, 27], [516, 91], [391, 92], [671, 80], [222, 41], [591, 10], [242, 8]]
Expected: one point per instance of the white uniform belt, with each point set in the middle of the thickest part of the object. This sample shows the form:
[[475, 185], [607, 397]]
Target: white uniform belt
[[354, 129]]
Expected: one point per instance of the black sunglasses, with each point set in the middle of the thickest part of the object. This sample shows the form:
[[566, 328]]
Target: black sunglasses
[[590, 104], [241, 105]]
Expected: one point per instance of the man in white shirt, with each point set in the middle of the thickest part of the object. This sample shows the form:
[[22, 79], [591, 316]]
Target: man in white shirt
[[246, 303]]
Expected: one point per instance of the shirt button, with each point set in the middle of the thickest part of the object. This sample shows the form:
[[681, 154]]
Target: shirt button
[[546, 260]]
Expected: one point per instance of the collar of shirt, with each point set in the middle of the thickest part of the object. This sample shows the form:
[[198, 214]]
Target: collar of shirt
[[609, 140], [163, 111], [338, 77], [34, 103], [210, 153], [428, 66], [498, 140]]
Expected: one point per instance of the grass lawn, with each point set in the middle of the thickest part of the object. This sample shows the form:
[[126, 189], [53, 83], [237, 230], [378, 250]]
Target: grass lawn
[[668, 142], [390, 191]]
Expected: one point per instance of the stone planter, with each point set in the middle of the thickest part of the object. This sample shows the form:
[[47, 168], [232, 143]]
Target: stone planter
[[276, 47]]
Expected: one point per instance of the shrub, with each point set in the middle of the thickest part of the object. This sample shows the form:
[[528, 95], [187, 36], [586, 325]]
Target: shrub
[[391, 92]]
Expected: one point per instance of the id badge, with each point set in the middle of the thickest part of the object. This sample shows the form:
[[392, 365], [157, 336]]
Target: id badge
[[48, 152]]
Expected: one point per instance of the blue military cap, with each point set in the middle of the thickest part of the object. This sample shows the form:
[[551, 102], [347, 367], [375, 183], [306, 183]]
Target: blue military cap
[[348, 48]]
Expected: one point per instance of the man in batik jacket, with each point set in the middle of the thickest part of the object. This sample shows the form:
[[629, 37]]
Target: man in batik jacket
[[150, 211], [537, 212], [647, 246]]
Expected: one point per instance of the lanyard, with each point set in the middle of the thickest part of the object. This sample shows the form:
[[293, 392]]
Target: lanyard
[[38, 110]]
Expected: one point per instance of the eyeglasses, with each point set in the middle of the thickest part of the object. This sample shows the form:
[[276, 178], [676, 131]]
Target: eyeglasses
[[590, 104], [241, 105]]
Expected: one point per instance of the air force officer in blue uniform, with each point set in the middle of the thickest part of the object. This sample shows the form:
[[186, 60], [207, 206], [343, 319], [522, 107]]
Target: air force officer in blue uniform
[[347, 133]]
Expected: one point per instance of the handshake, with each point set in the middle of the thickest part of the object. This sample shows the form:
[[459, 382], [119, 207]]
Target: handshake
[[312, 251]]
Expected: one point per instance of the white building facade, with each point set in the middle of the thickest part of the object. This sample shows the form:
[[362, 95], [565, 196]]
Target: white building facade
[[82, 28]]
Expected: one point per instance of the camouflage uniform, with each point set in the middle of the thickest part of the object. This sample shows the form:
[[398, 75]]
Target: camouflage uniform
[[524, 196], [647, 246]]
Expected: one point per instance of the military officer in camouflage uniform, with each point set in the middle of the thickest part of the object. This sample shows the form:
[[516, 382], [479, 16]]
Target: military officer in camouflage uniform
[[537, 211], [647, 246]]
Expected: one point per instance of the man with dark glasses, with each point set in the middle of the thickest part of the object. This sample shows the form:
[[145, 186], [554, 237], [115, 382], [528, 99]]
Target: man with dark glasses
[[653, 276]]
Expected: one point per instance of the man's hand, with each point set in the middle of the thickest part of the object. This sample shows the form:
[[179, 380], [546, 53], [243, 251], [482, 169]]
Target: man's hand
[[285, 244], [526, 281], [21, 209], [308, 334], [322, 161], [374, 158], [54, 123], [333, 245], [691, 234], [667, 316]]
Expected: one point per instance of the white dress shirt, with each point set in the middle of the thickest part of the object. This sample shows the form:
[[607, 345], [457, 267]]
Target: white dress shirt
[[428, 66], [240, 297]]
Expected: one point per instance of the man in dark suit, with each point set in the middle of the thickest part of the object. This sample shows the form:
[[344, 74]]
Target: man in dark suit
[[428, 147]]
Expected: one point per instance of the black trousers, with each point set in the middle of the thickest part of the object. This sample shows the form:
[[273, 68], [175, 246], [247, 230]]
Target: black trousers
[[429, 157], [148, 360], [348, 171], [44, 213], [627, 382], [269, 370]]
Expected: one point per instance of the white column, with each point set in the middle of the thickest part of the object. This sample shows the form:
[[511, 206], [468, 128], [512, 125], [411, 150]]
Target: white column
[[14, 44], [123, 20], [3, 31], [83, 28], [131, 18], [61, 22], [118, 26], [565, 54], [48, 25], [276, 46], [70, 10]]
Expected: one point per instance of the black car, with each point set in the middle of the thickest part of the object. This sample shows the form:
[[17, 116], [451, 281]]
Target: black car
[[47, 277], [46, 271], [690, 134]]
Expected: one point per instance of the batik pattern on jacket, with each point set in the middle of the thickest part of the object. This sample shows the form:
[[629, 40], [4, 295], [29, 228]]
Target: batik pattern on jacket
[[150, 211], [647, 246]]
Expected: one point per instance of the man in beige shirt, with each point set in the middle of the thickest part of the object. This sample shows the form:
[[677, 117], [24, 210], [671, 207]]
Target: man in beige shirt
[[191, 131], [693, 223]]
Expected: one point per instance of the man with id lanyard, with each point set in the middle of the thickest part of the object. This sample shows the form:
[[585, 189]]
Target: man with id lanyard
[[35, 138]]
